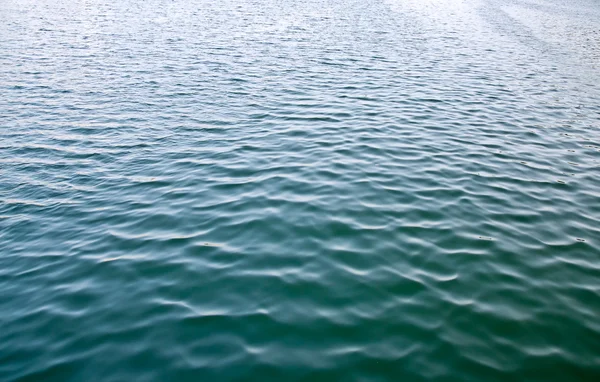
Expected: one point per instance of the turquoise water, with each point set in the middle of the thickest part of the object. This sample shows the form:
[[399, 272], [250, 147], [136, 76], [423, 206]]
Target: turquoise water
[[281, 190]]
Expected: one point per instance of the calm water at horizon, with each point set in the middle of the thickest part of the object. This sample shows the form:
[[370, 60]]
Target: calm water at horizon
[[283, 190]]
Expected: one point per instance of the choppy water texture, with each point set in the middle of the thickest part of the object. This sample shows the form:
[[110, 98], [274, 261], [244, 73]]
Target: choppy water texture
[[281, 190]]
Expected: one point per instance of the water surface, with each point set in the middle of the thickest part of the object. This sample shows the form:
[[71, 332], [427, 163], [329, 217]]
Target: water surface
[[281, 190]]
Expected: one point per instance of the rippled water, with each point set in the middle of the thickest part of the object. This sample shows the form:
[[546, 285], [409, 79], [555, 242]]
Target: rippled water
[[280, 190]]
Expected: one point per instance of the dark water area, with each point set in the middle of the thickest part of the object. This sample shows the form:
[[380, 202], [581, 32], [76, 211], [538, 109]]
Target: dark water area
[[281, 190]]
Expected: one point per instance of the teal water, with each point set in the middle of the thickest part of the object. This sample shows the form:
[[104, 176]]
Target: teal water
[[281, 190]]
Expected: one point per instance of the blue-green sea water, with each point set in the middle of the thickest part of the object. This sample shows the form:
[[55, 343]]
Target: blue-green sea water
[[286, 190]]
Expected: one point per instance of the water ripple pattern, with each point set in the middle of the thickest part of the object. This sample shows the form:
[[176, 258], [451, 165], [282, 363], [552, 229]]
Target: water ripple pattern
[[285, 190]]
